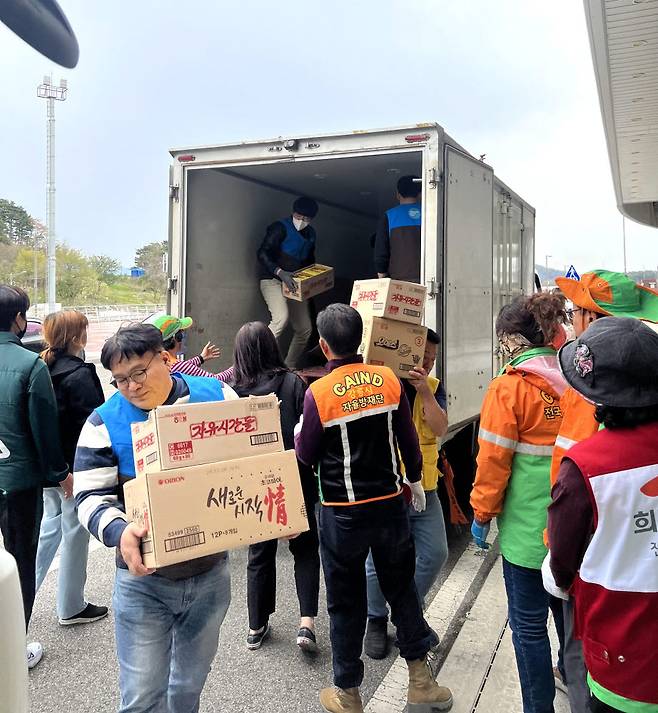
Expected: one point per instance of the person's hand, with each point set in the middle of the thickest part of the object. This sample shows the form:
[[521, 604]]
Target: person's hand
[[131, 538], [418, 499], [418, 379], [210, 351], [288, 280], [290, 537], [67, 486], [480, 530]]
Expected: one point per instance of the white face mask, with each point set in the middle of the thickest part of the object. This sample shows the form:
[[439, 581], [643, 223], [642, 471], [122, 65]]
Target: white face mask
[[300, 223]]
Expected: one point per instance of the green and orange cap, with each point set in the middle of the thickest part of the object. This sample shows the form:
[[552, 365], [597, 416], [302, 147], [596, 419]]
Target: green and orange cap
[[612, 294], [168, 324]]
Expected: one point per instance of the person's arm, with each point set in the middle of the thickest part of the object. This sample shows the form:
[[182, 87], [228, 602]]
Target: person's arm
[[270, 249], [191, 367], [570, 523], [497, 441], [308, 432], [382, 247], [96, 483], [435, 416], [44, 423], [407, 438]]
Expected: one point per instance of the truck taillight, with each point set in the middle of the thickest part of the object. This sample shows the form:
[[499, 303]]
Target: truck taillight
[[187, 157], [416, 138]]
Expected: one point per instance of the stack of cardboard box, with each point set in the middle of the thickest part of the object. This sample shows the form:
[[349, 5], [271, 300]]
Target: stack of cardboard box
[[392, 313], [212, 477]]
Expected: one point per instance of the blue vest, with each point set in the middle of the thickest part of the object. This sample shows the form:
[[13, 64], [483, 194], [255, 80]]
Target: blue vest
[[295, 244], [118, 413], [404, 216]]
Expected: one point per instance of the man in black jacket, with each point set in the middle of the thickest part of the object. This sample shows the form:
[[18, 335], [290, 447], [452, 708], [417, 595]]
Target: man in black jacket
[[288, 245], [30, 453]]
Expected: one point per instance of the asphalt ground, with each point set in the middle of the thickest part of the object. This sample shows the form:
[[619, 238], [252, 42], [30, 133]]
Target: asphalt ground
[[79, 670]]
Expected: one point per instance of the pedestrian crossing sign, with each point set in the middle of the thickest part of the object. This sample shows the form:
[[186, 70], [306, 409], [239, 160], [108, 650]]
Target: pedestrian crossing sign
[[572, 274]]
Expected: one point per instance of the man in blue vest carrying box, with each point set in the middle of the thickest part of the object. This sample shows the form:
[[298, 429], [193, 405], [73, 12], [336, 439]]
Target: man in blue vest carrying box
[[288, 246], [166, 622]]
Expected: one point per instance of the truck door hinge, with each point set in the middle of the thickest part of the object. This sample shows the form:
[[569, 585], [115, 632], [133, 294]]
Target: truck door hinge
[[174, 193], [434, 178], [172, 284], [433, 288]]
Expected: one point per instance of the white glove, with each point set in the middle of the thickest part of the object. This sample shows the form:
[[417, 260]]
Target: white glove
[[418, 500], [549, 581]]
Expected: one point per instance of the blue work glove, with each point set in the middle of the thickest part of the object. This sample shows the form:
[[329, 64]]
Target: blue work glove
[[480, 532]]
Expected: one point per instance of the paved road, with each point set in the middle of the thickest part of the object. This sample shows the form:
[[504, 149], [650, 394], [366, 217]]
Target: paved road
[[79, 669]]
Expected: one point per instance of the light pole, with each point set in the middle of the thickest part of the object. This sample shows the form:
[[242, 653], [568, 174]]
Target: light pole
[[546, 263], [52, 93]]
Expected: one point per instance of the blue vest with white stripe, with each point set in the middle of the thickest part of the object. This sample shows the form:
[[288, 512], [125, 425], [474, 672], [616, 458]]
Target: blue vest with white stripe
[[118, 413], [295, 244], [404, 216]]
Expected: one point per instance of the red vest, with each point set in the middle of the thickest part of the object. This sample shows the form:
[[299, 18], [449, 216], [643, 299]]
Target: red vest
[[616, 592]]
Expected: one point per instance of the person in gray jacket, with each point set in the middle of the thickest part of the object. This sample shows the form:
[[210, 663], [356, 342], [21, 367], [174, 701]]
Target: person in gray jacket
[[30, 452]]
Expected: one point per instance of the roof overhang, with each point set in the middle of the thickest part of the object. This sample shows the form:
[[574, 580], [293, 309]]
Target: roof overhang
[[623, 35]]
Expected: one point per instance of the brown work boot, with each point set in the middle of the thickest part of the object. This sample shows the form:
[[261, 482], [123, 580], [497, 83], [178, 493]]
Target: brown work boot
[[339, 700], [425, 695]]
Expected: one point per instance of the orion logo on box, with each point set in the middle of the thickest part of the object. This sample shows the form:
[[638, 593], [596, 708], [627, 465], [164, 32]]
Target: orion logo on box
[[172, 480], [385, 343]]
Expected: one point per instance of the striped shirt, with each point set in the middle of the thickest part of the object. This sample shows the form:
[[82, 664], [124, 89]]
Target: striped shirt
[[96, 486], [192, 367]]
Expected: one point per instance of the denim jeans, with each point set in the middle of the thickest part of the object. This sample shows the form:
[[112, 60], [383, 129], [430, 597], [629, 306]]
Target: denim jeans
[[428, 531], [167, 633], [60, 527], [283, 311], [527, 606], [347, 534]]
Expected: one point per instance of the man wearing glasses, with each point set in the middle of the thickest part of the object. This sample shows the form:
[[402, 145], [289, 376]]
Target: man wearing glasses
[[167, 623], [599, 293]]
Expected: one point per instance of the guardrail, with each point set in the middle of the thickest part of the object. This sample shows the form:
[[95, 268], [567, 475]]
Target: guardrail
[[107, 313]]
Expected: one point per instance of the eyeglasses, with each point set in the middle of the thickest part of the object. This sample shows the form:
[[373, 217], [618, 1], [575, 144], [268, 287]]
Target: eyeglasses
[[571, 312], [138, 376]]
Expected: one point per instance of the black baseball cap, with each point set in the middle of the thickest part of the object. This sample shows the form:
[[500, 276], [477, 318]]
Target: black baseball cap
[[614, 362]]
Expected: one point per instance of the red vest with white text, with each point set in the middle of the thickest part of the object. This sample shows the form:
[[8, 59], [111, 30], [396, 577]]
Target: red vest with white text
[[616, 591]]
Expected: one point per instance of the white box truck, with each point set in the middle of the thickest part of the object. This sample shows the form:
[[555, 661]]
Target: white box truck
[[477, 237]]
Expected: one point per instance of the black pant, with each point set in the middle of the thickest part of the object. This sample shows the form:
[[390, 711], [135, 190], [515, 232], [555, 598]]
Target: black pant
[[261, 574], [20, 522], [347, 534], [597, 706]]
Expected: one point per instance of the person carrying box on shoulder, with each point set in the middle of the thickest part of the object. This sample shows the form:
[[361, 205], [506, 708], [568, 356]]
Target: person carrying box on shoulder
[[167, 623], [353, 423], [288, 246]]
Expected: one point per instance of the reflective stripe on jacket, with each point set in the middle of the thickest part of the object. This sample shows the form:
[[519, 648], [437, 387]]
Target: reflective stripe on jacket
[[519, 423]]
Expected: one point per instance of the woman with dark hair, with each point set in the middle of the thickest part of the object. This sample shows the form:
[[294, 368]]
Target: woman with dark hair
[[78, 392], [519, 423], [259, 369]]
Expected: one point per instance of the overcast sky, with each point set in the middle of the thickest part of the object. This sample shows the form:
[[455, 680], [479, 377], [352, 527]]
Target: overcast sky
[[512, 79]]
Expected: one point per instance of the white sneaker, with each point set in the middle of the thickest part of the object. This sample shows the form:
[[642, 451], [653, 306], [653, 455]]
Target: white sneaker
[[34, 654]]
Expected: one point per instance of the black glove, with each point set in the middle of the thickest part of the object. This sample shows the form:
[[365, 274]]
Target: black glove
[[287, 279]]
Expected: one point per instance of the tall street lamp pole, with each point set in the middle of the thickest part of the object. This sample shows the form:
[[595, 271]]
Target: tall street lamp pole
[[52, 94]]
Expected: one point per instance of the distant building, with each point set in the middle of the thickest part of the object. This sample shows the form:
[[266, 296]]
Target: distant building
[[136, 272]]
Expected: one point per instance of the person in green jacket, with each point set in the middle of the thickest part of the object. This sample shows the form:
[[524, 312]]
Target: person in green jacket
[[30, 453]]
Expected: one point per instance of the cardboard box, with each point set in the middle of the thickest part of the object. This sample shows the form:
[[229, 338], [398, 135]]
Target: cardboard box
[[393, 299], [205, 509], [394, 344], [312, 280], [194, 434]]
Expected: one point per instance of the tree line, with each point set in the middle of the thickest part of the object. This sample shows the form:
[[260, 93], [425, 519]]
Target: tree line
[[81, 279]]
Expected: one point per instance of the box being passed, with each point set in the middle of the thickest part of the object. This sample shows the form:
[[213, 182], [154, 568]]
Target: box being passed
[[312, 280], [393, 299], [394, 344], [193, 434], [205, 509]]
